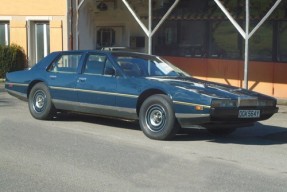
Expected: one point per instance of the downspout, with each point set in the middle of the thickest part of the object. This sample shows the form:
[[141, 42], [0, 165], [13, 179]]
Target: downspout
[[77, 23], [70, 13]]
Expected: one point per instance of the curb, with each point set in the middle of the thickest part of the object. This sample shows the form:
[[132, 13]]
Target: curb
[[281, 101]]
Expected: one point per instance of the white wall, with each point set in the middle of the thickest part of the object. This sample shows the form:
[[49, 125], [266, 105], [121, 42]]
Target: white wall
[[91, 19], [87, 37]]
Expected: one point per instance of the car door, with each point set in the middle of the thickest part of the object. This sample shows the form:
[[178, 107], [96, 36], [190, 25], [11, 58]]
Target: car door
[[96, 87], [62, 77]]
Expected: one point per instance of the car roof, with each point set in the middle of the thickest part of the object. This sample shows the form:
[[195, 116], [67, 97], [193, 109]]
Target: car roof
[[122, 52]]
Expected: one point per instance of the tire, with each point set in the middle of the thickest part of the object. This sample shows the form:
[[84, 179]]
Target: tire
[[40, 103], [222, 131], [157, 119]]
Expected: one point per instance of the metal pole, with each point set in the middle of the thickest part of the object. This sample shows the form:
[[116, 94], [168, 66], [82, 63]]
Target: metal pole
[[149, 32], [136, 18], [265, 17], [165, 17], [231, 19], [150, 27], [246, 59]]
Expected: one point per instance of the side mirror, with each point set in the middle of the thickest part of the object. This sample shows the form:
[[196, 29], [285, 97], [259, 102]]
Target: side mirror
[[110, 71]]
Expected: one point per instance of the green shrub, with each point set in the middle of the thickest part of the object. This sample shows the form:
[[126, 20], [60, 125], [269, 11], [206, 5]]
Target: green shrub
[[12, 58]]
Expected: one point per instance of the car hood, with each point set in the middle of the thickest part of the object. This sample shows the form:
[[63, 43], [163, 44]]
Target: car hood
[[210, 89]]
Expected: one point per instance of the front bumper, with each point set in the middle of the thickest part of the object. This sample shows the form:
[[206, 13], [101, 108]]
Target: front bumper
[[225, 117], [231, 114]]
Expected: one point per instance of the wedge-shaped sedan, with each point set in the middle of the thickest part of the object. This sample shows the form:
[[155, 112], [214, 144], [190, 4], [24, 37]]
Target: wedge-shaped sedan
[[137, 87]]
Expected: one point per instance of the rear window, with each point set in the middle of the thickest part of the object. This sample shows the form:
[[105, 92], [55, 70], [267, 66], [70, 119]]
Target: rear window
[[66, 64]]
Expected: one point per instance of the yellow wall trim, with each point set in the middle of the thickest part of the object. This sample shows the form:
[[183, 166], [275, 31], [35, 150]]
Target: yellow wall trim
[[55, 24], [17, 24]]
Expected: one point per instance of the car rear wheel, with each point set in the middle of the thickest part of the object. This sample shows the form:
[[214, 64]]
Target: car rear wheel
[[40, 103], [157, 119]]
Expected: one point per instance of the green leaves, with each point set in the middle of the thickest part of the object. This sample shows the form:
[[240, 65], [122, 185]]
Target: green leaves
[[12, 58]]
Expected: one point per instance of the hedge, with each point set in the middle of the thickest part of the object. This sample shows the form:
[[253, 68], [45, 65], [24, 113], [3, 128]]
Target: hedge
[[12, 58]]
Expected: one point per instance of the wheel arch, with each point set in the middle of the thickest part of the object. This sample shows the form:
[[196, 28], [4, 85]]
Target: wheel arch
[[147, 93], [31, 85]]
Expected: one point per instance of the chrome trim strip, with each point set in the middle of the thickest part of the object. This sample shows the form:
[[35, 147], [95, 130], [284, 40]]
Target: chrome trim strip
[[17, 84], [190, 104], [17, 94], [107, 93], [96, 92], [73, 103], [89, 105], [189, 115], [123, 109], [62, 88]]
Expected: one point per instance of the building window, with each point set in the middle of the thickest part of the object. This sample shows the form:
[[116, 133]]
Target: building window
[[282, 41], [261, 42], [165, 40], [4, 33], [224, 41], [192, 38], [106, 37], [39, 41], [42, 40]]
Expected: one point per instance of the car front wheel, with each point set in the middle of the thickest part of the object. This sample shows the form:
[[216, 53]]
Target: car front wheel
[[157, 119], [40, 104]]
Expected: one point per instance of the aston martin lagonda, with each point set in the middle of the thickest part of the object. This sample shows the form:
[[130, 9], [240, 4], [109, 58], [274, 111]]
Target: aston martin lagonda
[[135, 86]]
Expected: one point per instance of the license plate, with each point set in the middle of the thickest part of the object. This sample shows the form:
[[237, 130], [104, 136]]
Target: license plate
[[249, 114]]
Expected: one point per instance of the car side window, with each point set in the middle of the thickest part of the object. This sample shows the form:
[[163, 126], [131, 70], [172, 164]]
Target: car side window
[[66, 64], [98, 65]]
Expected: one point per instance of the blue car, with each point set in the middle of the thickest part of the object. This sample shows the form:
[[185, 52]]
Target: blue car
[[135, 86]]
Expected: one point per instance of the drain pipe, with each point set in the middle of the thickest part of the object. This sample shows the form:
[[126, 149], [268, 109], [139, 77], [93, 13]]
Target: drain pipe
[[70, 19], [79, 5]]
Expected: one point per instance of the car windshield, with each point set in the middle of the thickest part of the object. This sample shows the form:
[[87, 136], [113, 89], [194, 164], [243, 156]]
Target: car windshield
[[140, 65]]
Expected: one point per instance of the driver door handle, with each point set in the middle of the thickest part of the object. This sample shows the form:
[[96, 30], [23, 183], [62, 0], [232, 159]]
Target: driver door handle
[[82, 79]]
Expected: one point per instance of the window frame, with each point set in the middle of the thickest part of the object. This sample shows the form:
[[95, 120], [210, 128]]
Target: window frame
[[107, 60], [33, 55], [6, 32], [51, 66]]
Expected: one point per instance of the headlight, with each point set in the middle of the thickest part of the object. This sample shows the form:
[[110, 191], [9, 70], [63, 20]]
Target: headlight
[[224, 103], [266, 103]]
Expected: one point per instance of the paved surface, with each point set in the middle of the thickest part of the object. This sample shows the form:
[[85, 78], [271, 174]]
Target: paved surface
[[79, 153]]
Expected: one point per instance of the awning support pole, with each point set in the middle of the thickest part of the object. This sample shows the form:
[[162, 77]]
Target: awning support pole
[[246, 52], [231, 19], [165, 17], [136, 17], [245, 34], [149, 32], [265, 18], [150, 27]]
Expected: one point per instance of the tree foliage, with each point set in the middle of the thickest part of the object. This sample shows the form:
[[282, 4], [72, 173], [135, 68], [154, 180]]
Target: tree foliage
[[12, 58]]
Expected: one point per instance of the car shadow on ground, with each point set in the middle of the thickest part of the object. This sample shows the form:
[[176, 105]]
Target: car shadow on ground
[[105, 121], [258, 134]]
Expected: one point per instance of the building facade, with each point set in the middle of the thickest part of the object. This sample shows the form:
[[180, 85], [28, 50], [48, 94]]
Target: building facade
[[196, 36], [38, 26]]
